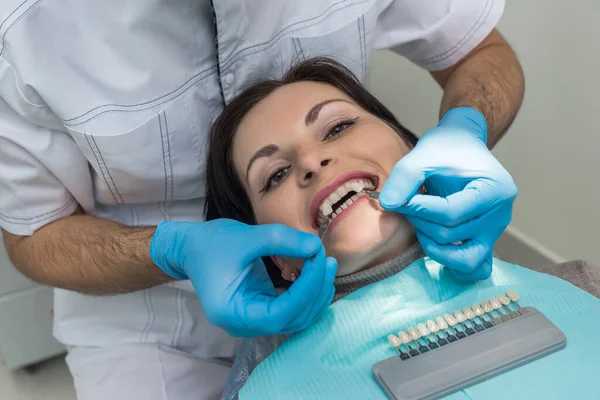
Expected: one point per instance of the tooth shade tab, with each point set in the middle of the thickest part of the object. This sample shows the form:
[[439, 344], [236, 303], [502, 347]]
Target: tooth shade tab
[[460, 317], [441, 323], [514, 296], [394, 340], [495, 303], [486, 306], [450, 319], [423, 330], [469, 313], [505, 301], [414, 334], [432, 326], [404, 337], [477, 310]]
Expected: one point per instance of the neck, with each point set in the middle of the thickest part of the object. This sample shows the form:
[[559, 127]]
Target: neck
[[347, 284]]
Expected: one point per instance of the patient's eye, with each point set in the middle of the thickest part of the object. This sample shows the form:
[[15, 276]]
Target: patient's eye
[[340, 127], [275, 179]]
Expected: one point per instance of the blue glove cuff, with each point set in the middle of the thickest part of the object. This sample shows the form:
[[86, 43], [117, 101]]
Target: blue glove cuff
[[467, 118], [166, 240]]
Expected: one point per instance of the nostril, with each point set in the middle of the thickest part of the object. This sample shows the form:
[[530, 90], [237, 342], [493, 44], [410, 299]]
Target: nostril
[[324, 163], [308, 175]]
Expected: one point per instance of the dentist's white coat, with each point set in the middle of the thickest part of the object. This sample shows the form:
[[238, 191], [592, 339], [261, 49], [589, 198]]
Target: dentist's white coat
[[108, 103]]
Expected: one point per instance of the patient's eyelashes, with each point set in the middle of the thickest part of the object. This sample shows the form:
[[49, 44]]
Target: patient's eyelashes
[[339, 128], [275, 178]]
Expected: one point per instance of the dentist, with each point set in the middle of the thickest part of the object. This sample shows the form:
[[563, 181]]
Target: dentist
[[105, 108]]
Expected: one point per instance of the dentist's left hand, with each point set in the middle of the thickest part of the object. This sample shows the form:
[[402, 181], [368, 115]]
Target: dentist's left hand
[[469, 194], [222, 258]]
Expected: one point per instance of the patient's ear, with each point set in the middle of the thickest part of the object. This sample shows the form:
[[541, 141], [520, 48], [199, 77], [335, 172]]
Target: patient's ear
[[288, 272]]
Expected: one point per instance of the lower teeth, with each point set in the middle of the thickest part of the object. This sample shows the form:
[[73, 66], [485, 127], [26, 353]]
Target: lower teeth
[[341, 208]]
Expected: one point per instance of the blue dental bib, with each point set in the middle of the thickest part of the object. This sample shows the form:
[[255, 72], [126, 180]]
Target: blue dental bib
[[333, 359]]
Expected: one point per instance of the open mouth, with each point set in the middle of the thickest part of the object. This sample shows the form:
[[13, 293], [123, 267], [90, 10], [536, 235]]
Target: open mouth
[[342, 197]]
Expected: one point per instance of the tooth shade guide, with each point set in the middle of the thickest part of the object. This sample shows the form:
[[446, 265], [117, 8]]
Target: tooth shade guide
[[483, 354], [446, 329]]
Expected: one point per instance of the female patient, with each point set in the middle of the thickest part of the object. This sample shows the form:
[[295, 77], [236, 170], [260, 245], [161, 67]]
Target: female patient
[[295, 150], [299, 151]]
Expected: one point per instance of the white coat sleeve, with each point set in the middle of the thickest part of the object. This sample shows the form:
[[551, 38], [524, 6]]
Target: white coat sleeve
[[436, 34], [43, 174]]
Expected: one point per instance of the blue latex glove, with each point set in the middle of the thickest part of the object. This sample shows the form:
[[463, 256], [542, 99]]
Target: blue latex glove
[[222, 259], [469, 194]]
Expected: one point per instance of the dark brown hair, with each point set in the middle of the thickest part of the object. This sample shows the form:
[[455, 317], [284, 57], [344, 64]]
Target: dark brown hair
[[225, 194]]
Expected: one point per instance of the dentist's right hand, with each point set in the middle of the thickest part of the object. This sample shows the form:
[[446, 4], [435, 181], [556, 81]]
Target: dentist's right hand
[[222, 258]]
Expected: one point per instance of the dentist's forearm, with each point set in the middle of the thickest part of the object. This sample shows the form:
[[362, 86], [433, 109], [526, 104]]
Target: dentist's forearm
[[88, 255], [489, 79]]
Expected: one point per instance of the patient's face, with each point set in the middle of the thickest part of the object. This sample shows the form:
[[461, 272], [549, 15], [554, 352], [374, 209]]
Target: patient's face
[[302, 153]]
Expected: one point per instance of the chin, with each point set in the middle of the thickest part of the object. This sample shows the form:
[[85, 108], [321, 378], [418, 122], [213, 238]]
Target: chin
[[368, 239]]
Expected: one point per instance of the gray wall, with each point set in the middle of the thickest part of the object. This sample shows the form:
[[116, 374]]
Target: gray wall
[[552, 148]]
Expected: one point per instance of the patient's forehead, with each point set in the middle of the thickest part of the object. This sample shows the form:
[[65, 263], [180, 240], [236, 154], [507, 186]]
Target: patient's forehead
[[280, 117], [287, 105]]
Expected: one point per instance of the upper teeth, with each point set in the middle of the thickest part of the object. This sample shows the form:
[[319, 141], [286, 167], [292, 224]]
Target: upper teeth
[[356, 185]]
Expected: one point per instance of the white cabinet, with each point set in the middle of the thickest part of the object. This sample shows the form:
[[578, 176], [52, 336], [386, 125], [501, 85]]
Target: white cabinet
[[25, 318]]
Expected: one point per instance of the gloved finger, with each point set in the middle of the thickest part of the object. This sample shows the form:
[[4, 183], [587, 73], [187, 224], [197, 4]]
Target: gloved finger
[[281, 310], [495, 219], [480, 273], [474, 200], [464, 258], [281, 240], [320, 305], [404, 181]]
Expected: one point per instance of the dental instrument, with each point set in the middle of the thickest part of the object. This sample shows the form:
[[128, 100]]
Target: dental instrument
[[371, 193], [323, 228], [428, 373]]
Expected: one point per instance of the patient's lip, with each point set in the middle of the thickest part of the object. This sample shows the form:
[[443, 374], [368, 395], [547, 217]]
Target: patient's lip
[[332, 187]]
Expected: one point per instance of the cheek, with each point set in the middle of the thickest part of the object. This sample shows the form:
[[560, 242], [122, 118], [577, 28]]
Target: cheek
[[284, 205], [383, 142]]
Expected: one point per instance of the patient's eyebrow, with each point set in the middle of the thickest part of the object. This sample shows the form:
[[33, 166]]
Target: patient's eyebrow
[[313, 114], [266, 151]]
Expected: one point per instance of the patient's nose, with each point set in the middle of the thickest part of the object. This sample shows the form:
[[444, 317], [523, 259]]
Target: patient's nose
[[310, 173]]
